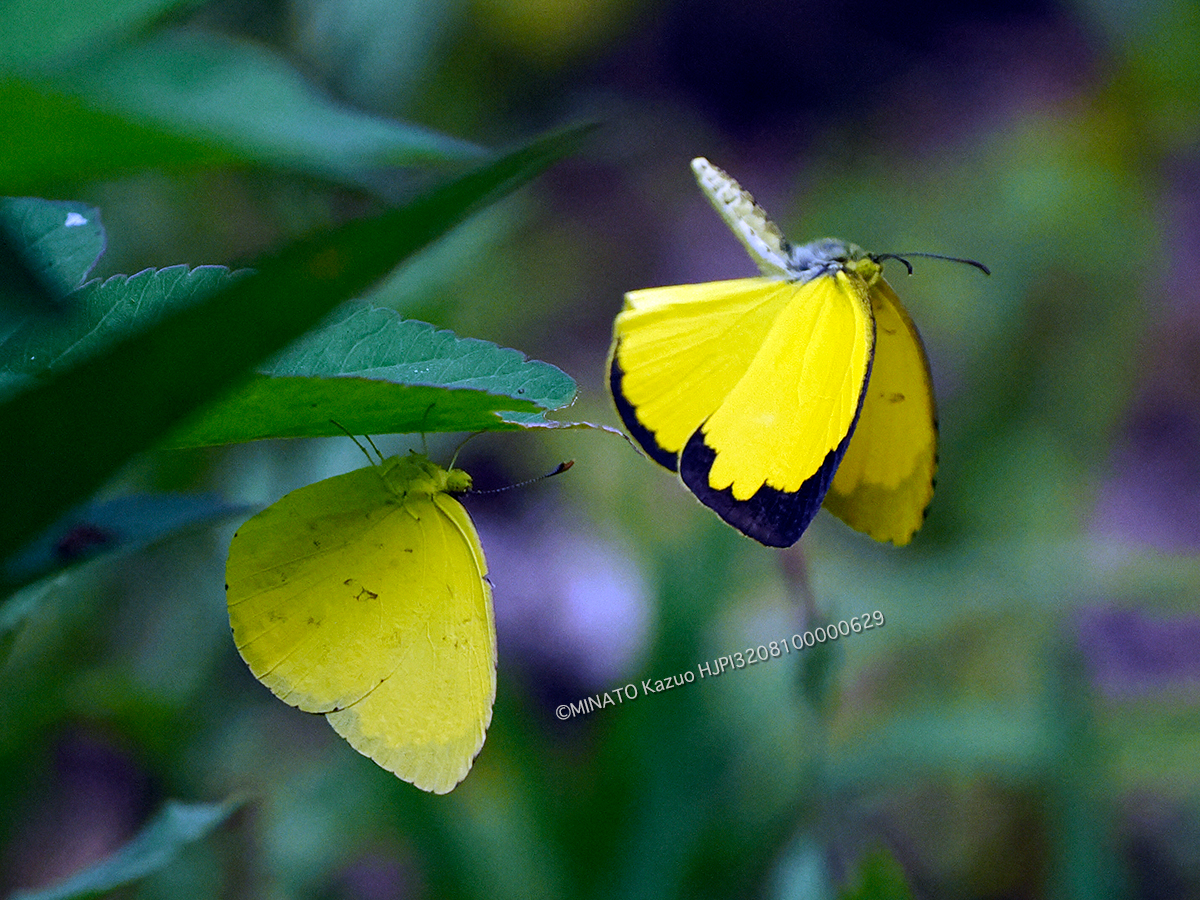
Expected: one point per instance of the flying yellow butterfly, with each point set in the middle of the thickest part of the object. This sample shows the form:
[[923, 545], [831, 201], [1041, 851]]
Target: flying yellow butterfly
[[772, 395], [364, 597]]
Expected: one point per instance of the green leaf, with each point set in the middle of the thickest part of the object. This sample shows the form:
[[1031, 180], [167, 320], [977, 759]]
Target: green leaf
[[52, 141], [110, 526], [189, 99], [367, 369], [46, 249], [62, 240], [373, 372], [39, 34], [258, 107], [102, 314], [152, 849], [121, 525], [67, 436]]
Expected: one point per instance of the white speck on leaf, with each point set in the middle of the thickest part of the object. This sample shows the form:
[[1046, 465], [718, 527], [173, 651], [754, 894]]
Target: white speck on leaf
[[73, 219]]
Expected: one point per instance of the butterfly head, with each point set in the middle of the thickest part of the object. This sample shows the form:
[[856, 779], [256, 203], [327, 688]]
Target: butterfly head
[[417, 474], [828, 256]]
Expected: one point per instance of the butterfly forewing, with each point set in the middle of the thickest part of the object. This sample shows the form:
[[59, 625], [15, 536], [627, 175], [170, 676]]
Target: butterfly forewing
[[678, 351], [307, 599]]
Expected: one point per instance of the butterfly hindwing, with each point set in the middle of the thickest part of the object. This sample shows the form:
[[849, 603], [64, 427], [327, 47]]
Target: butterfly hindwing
[[885, 481], [365, 597], [427, 720]]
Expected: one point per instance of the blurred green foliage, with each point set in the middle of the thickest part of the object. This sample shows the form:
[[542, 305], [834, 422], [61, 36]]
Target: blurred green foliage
[[1025, 725]]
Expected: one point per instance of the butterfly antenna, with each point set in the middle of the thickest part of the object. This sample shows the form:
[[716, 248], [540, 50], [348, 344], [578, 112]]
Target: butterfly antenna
[[901, 258], [463, 443], [424, 419], [344, 431], [562, 467]]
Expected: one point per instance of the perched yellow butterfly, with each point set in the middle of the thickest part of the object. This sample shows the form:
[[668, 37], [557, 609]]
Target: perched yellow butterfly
[[772, 395], [365, 597]]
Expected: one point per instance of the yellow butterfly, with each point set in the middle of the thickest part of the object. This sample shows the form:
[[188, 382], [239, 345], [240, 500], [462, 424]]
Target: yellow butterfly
[[364, 597], [772, 395]]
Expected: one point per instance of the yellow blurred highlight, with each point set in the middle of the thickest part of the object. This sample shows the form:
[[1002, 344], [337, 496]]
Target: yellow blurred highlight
[[552, 33]]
